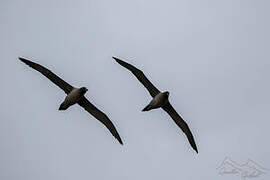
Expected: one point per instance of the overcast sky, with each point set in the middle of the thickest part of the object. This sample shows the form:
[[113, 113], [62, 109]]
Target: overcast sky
[[212, 56]]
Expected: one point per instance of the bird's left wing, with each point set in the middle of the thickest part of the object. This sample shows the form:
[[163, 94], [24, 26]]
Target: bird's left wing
[[67, 88], [140, 76], [180, 123], [94, 111]]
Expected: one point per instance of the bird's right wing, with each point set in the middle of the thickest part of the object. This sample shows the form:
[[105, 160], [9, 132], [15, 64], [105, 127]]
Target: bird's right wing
[[180, 123], [100, 116], [140, 76], [50, 75]]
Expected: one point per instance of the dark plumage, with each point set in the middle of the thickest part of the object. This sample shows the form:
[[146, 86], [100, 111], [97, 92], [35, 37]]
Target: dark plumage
[[74, 95], [147, 108], [160, 100]]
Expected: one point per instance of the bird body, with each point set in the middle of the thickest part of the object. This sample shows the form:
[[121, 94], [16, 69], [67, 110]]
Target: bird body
[[158, 101], [73, 97]]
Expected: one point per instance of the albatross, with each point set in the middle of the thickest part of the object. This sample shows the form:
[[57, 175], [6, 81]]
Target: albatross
[[160, 100], [74, 95]]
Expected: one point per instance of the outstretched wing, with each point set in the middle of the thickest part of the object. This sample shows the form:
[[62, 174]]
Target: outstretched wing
[[180, 123], [50, 75], [100, 116], [140, 76]]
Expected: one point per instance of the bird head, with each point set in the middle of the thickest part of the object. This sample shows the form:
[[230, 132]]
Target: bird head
[[84, 89], [167, 93]]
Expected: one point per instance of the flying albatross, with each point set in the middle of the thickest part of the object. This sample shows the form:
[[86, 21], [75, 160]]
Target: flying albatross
[[74, 95], [160, 100]]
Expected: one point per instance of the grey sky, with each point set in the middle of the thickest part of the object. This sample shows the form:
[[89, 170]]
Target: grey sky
[[215, 53]]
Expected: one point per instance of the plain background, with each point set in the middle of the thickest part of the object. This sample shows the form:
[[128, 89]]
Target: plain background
[[212, 56]]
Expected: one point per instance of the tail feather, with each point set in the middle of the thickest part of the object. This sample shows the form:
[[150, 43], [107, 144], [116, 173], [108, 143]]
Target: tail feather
[[62, 107], [147, 108]]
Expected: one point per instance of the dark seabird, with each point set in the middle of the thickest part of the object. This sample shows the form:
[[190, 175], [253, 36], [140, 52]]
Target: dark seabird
[[160, 100], [74, 95]]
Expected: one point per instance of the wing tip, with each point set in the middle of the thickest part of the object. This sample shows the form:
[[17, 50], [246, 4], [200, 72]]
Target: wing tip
[[116, 59], [125, 64], [195, 148], [24, 60], [119, 140], [21, 59]]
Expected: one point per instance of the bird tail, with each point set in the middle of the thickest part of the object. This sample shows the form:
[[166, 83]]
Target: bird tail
[[147, 108], [63, 107]]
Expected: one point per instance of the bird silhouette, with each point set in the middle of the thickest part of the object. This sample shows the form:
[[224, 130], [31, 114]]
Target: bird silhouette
[[160, 100], [75, 95]]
